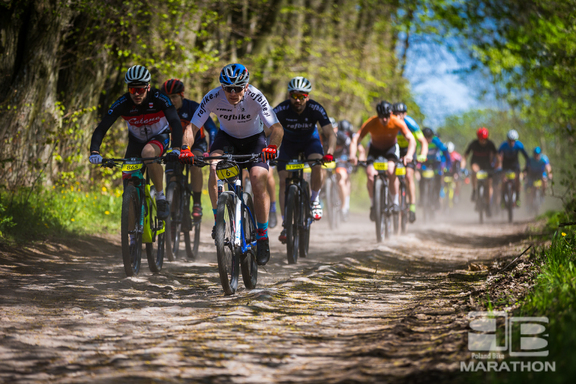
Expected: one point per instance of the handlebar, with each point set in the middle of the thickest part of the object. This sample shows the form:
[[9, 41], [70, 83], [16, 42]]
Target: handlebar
[[110, 162]]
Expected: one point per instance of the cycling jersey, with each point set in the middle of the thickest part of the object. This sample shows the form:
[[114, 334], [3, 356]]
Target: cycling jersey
[[456, 158], [187, 111], [383, 137], [299, 126], [510, 154], [342, 145], [145, 121], [435, 151], [238, 121], [414, 128], [481, 153], [537, 168]]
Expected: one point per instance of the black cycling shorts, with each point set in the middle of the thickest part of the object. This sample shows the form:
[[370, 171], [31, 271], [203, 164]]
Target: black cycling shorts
[[246, 146], [392, 153], [412, 164], [135, 148]]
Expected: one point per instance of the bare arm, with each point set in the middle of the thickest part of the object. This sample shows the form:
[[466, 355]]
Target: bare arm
[[328, 132], [189, 133], [276, 134]]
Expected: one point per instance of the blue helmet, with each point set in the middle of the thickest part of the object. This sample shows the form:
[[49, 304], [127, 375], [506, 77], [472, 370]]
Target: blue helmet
[[234, 75], [537, 150]]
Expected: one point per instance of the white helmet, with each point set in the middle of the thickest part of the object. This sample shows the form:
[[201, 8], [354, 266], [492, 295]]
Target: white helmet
[[137, 75], [450, 146], [300, 84], [512, 135]]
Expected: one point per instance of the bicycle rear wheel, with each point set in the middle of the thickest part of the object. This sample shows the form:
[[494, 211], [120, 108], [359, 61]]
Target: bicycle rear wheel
[[481, 202], [192, 244], [155, 253], [328, 202], [174, 221], [248, 263], [228, 260], [335, 209], [292, 223], [403, 207], [510, 202], [130, 233]]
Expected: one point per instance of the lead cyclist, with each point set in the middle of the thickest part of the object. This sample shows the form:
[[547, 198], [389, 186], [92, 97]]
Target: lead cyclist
[[239, 108]]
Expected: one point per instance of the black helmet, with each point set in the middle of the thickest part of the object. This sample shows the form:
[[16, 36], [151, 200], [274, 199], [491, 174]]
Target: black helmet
[[172, 86], [384, 109], [428, 133], [399, 108], [344, 126]]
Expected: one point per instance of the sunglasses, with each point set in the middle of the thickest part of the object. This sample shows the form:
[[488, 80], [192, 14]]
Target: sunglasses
[[137, 91], [235, 89], [299, 97]]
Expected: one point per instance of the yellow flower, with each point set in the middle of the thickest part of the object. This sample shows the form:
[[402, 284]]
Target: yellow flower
[[106, 212], [563, 234], [71, 188], [74, 200], [104, 189], [72, 219]]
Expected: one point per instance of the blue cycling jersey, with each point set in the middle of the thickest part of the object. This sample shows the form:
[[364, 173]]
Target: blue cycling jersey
[[510, 154], [437, 150], [537, 168]]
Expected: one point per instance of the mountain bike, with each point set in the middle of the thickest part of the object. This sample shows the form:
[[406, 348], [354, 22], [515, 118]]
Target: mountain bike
[[509, 193], [331, 197], [382, 203], [401, 218], [297, 216], [180, 221], [534, 196], [481, 200], [235, 232], [139, 222], [427, 190]]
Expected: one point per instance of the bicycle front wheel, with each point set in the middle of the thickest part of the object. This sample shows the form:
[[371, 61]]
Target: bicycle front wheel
[[155, 249], [248, 263], [292, 224], [404, 209], [227, 255], [378, 208], [174, 221], [304, 230], [130, 232]]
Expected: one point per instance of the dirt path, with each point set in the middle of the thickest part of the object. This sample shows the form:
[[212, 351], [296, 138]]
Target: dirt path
[[354, 311]]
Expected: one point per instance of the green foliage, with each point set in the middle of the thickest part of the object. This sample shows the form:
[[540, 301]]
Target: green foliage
[[35, 214]]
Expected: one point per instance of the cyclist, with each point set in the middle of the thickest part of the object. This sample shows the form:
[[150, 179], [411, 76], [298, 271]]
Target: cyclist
[[174, 88], [299, 116], [240, 107], [343, 167], [538, 168], [383, 129], [508, 156], [437, 157], [401, 110], [455, 170], [150, 115], [483, 157]]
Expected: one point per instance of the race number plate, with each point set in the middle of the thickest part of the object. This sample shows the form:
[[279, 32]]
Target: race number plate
[[227, 173], [131, 167], [428, 174], [481, 175], [511, 175], [381, 166], [294, 166], [400, 171], [330, 165]]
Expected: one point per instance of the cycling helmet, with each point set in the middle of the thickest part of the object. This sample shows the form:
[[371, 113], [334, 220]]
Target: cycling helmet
[[512, 135], [399, 108], [173, 86], [137, 75], [450, 146], [384, 109], [428, 133], [300, 84], [333, 122], [234, 75], [482, 133], [344, 126], [537, 150]]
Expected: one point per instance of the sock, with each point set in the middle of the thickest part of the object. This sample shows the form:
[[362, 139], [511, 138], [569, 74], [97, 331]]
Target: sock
[[262, 231], [396, 199], [214, 211], [160, 196], [314, 195], [412, 207], [196, 196], [347, 203], [272, 206]]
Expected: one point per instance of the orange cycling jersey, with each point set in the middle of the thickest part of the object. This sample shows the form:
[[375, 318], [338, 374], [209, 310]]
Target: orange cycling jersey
[[383, 137]]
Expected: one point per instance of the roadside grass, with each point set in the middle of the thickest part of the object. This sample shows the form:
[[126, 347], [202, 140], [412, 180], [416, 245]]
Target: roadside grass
[[29, 215]]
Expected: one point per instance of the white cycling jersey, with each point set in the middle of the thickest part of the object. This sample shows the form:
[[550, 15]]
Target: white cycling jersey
[[241, 120]]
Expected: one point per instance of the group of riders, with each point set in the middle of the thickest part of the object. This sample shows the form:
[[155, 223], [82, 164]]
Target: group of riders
[[162, 121]]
